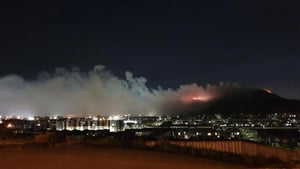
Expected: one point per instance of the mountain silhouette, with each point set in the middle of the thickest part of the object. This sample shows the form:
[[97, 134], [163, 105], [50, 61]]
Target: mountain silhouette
[[247, 101]]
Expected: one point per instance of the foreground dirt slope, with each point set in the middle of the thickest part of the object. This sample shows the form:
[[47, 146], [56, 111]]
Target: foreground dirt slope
[[103, 158]]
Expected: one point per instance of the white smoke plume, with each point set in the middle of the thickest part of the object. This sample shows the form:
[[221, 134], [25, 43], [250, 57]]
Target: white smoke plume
[[97, 92]]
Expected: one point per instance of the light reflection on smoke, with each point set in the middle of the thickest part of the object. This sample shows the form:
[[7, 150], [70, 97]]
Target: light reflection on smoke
[[95, 92]]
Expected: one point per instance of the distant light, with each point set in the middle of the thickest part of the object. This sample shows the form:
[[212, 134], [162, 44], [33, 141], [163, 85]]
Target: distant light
[[31, 118], [9, 125], [130, 121], [208, 134], [114, 117], [267, 90], [195, 97], [54, 117], [200, 98]]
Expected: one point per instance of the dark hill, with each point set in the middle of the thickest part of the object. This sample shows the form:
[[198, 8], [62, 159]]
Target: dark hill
[[254, 101]]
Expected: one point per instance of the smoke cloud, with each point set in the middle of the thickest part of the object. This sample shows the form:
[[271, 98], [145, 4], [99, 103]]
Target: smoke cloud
[[97, 92]]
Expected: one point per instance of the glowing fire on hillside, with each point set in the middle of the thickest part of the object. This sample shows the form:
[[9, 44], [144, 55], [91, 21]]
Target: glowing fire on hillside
[[195, 98]]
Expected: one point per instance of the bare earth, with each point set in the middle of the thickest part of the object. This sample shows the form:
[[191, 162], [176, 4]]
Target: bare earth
[[104, 158]]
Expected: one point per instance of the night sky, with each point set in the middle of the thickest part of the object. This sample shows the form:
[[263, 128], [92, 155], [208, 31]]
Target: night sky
[[253, 43]]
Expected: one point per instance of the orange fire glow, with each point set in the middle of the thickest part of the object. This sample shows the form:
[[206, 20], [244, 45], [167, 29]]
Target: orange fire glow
[[200, 98], [267, 90], [193, 98]]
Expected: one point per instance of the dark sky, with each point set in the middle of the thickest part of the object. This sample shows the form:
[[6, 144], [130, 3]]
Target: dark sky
[[254, 43]]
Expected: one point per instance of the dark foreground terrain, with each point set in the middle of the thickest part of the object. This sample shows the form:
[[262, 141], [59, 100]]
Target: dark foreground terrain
[[104, 158]]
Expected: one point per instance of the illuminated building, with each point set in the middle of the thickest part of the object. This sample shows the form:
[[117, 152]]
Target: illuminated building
[[116, 123]]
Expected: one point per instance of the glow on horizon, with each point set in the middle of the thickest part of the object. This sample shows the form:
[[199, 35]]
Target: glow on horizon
[[267, 90], [195, 98], [200, 98]]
